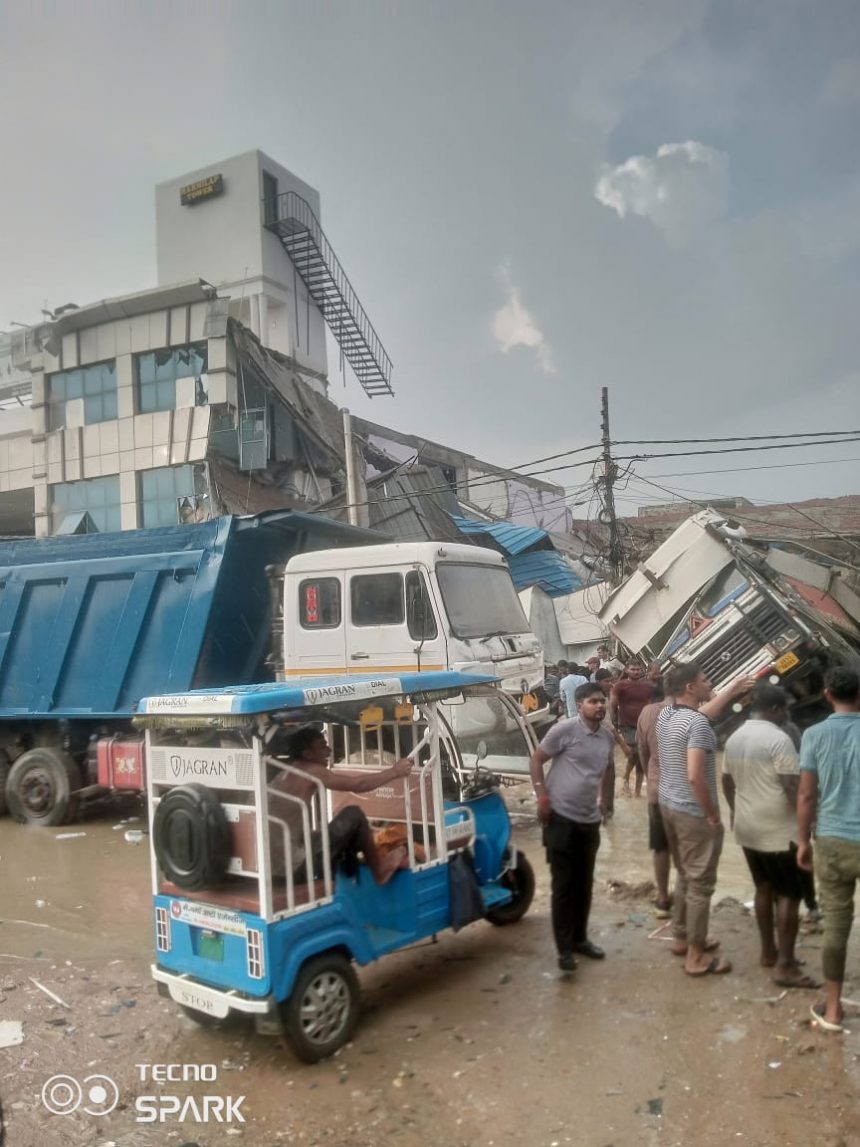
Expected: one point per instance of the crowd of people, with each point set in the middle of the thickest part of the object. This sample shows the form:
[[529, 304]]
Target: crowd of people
[[781, 790]]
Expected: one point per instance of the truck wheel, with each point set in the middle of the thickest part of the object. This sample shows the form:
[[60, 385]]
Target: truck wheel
[[41, 786], [4, 777], [191, 837], [321, 1014], [521, 881]]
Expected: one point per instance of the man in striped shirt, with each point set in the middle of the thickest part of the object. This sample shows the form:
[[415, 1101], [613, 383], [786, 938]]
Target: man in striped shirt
[[690, 809]]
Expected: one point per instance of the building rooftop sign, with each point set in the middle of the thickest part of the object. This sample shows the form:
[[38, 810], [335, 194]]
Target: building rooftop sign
[[206, 188]]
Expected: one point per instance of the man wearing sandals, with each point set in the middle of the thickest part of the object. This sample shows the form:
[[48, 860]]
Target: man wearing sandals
[[690, 809], [830, 799], [761, 776]]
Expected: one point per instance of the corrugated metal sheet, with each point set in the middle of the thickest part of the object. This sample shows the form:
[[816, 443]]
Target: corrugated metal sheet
[[414, 505], [512, 539], [546, 569]]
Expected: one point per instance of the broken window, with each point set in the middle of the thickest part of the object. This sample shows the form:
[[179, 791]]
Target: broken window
[[92, 387], [157, 373]]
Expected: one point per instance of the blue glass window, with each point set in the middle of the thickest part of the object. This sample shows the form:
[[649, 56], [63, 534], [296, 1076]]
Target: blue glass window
[[95, 384], [161, 489], [158, 371], [98, 496]]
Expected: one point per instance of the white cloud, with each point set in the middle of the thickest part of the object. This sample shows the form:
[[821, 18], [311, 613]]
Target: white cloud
[[514, 325], [684, 187]]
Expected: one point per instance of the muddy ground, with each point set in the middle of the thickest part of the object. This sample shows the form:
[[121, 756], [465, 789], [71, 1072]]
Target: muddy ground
[[474, 1040]]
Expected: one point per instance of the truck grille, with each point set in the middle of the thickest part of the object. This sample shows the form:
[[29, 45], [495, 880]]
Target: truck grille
[[762, 626]]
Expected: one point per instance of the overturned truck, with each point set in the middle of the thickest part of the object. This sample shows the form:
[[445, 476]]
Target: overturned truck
[[739, 608]]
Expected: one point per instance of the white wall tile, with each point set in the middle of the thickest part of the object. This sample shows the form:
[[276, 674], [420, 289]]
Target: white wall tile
[[126, 460], [70, 351], [143, 458], [197, 449], [196, 321], [125, 370], [4, 456], [89, 345], [73, 469], [129, 516], [40, 455], [158, 330], [55, 473], [75, 412], [40, 388], [20, 453], [106, 340], [41, 525], [91, 441], [55, 447], [21, 479], [161, 455], [128, 487], [122, 335], [39, 416], [186, 392], [217, 388], [40, 498], [71, 443], [93, 467], [178, 326], [200, 421], [217, 354], [108, 437], [143, 430], [126, 434], [162, 423], [140, 333], [125, 402], [110, 463]]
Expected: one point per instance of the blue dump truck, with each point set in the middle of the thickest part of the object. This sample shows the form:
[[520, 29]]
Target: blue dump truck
[[90, 624]]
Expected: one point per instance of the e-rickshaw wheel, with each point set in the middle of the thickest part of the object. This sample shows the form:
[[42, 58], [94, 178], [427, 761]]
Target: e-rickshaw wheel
[[521, 881], [322, 1011]]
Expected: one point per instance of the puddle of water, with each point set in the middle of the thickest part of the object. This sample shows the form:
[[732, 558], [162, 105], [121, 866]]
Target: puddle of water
[[73, 898]]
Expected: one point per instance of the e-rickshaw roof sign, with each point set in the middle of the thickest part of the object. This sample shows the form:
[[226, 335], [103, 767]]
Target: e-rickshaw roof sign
[[308, 692]]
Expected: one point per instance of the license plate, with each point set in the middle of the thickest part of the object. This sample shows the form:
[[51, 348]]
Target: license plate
[[786, 662], [201, 1001], [211, 946]]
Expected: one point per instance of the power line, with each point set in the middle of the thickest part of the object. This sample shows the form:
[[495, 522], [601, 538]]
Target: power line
[[733, 438], [744, 469], [732, 450]]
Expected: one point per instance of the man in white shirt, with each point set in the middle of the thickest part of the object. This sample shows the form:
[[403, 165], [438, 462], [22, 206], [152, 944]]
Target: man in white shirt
[[761, 777], [568, 686]]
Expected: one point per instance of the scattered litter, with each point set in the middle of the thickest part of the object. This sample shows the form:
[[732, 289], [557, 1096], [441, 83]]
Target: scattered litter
[[761, 999], [622, 890], [48, 992], [775, 1064], [69, 835], [505, 978], [41, 903], [637, 918], [655, 1107], [658, 933], [135, 835], [11, 1033], [749, 905]]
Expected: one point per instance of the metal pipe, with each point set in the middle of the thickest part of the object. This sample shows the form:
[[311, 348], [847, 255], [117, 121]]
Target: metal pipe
[[351, 487]]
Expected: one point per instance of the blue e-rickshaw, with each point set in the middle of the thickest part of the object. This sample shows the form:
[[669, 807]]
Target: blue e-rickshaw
[[248, 919]]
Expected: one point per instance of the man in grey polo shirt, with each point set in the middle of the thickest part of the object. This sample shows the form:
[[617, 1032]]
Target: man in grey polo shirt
[[571, 800]]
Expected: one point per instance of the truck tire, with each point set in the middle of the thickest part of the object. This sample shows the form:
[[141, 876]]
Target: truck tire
[[40, 787], [321, 1014], [5, 766], [521, 881], [191, 837]]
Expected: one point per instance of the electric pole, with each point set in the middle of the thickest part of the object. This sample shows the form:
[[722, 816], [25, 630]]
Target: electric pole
[[607, 514]]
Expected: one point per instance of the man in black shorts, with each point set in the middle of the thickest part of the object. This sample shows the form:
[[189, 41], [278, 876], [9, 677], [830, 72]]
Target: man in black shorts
[[761, 777]]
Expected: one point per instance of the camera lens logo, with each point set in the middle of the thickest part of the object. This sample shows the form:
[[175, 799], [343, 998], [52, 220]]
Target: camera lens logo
[[63, 1095]]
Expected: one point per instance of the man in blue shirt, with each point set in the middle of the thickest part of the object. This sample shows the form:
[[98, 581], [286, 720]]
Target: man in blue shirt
[[830, 799]]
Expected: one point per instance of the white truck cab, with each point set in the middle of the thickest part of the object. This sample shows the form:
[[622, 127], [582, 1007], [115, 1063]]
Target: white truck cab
[[407, 607]]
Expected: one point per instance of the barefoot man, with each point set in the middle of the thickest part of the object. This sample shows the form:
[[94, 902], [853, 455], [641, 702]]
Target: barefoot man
[[761, 775], [830, 792]]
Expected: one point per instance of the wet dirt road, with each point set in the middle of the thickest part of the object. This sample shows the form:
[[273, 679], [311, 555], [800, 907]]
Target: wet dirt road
[[474, 1040]]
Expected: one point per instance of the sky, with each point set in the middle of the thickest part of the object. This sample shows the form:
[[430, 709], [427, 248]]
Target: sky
[[533, 200]]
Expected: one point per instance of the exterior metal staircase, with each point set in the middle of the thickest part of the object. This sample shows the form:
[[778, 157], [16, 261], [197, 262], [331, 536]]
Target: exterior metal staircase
[[292, 219]]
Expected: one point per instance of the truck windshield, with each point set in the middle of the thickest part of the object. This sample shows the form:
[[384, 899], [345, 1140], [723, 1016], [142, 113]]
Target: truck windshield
[[480, 600]]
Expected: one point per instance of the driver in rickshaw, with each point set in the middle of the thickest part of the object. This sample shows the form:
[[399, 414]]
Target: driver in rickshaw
[[349, 832]]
